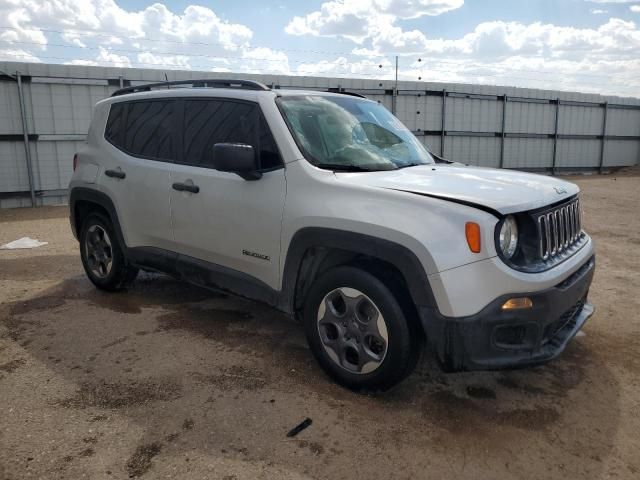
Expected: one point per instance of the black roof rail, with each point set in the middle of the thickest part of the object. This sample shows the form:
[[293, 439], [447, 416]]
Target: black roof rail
[[345, 92], [353, 94], [207, 82]]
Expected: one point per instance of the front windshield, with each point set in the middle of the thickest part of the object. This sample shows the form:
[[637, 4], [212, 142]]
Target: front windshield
[[348, 133]]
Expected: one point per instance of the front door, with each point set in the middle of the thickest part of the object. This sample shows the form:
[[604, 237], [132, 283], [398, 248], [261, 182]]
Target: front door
[[221, 218]]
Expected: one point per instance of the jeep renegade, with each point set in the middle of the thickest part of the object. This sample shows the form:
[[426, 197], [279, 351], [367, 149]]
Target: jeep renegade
[[324, 206]]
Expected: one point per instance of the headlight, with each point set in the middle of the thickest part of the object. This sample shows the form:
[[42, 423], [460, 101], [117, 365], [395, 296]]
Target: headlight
[[509, 236]]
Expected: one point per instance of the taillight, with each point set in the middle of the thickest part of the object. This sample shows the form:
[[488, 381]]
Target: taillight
[[75, 162]]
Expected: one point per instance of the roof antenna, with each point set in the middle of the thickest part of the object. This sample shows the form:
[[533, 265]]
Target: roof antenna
[[167, 80]]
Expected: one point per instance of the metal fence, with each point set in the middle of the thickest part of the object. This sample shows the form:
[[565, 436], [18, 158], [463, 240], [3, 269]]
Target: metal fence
[[45, 111]]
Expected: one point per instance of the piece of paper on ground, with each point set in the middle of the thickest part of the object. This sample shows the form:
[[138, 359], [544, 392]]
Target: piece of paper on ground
[[24, 242]]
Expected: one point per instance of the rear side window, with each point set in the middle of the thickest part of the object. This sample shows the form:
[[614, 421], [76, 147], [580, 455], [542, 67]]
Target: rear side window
[[150, 130], [207, 122], [114, 130]]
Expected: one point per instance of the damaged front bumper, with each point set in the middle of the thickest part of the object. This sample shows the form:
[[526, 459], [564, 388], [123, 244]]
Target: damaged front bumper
[[495, 338]]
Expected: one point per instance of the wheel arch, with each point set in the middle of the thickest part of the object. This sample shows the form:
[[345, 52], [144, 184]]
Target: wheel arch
[[313, 250], [84, 201]]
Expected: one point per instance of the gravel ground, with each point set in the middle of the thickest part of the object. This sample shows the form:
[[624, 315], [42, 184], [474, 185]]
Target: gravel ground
[[170, 381]]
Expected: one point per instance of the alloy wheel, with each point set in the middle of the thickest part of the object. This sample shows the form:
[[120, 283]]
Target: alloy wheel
[[98, 251], [352, 330]]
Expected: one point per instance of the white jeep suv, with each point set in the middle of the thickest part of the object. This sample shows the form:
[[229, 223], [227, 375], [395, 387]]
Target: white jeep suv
[[326, 207]]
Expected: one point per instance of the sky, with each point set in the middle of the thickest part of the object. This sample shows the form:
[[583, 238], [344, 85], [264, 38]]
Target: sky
[[577, 45]]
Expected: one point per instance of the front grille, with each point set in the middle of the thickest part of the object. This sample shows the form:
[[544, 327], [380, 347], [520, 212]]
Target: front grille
[[558, 229]]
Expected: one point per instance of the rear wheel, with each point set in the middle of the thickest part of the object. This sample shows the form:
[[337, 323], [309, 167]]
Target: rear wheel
[[102, 256], [358, 331]]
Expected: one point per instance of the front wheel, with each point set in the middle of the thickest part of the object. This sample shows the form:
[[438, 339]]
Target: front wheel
[[102, 256], [358, 331]]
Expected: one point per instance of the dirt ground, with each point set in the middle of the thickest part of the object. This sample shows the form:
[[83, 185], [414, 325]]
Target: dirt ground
[[170, 381]]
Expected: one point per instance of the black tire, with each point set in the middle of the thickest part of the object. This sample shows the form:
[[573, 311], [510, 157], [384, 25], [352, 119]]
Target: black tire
[[119, 273], [404, 338]]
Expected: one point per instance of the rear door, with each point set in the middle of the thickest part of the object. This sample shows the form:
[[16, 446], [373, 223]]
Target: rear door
[[229, 222], [139, 150]]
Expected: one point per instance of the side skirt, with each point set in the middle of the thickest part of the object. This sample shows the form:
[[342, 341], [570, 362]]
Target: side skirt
[[203, 274]]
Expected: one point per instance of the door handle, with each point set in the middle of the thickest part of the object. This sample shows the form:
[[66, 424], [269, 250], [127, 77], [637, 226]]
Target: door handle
[[186, 187], [115, 174]]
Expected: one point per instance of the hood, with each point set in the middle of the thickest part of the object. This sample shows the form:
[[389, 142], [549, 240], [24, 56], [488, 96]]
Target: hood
[[498, 190]]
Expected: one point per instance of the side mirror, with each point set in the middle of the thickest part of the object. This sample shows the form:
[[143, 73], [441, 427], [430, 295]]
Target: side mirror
[[236, 158]]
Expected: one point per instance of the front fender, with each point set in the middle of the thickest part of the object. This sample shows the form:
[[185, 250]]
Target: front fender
[[398, 255]]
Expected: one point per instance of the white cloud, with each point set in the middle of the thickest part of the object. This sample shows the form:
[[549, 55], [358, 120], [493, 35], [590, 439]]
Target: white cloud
[[147, 59], [17, 55], [260, 59], [498, 39], [602, 59], [99, 32], [620, 77], [373, 25], [86, 63], [196, 24], [15, 17], [416, 8], [111, 40], [342, 67], [115, 36], [99, 19], [598, 11], [354, 19], [110, 59], [156, 21], [74, 39], [635, 8], [333, 19], [366, 52]]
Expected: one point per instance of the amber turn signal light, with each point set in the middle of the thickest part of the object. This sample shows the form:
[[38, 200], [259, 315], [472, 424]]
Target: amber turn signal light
[[472, 231], [517, 303]]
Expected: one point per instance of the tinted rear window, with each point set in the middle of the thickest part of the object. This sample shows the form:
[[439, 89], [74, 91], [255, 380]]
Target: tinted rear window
[[113, 131], [150, 129]]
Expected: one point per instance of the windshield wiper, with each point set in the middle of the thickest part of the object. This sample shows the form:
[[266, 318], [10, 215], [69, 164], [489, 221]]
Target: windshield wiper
[[351, 168]]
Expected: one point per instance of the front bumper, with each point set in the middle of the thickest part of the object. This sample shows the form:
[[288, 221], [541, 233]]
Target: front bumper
[[496, 338]]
